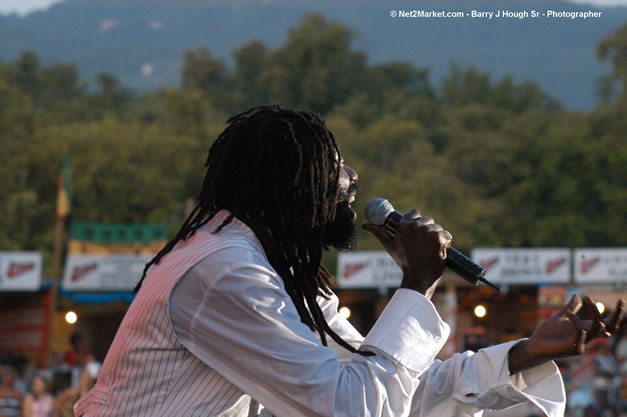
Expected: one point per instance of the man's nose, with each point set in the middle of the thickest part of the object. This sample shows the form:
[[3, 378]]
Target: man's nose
[[352, 174]]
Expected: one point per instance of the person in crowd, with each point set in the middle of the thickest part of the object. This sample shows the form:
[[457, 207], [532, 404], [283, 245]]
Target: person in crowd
[[63, 406], [39, 402], [619, 347], [78, 355], [10, 397]]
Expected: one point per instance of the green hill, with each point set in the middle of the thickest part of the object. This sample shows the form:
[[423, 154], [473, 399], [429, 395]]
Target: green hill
[[143, 41]]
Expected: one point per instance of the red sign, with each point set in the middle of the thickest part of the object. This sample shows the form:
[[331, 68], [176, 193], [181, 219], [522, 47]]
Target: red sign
[[80, 272], [552, 265], [16, 268], [489, 263], [352, 269], [587, 265]]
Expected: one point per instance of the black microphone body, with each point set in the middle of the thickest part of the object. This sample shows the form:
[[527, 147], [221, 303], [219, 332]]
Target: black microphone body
[[380, 211]]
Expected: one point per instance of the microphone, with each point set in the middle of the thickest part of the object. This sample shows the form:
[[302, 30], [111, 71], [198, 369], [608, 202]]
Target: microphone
[[379, 211]]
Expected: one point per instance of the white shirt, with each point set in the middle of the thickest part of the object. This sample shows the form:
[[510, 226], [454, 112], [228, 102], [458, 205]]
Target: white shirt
[[232, 312], [213, 332]]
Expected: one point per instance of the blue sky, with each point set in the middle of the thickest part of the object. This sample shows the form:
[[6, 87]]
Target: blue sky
[[23, 7]]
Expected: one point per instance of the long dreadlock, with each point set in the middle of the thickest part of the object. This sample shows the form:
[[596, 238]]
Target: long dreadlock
[[276, 170]]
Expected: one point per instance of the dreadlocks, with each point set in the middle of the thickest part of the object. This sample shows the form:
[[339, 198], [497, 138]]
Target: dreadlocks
[[276, 170]]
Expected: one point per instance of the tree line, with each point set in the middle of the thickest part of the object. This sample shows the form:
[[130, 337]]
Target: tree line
[[498, 162]]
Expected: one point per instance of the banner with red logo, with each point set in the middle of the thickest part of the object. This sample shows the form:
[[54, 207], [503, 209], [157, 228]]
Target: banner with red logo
[[20, 271], [525, 266], [600, 265], [367, 269], [103, 272]]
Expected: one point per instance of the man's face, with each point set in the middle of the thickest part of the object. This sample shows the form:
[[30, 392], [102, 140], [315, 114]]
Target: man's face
[[341, 233]]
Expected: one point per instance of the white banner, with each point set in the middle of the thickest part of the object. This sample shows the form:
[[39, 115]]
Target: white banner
[[524, 266], [103, 272], [367, 269], [20, 271], [600, 265]]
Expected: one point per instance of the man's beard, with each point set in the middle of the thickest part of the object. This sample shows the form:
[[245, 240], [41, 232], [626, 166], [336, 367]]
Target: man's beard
[[341, 233]]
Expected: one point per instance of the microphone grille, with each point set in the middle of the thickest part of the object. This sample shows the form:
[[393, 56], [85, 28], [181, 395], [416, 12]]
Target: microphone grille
[[377, 210]]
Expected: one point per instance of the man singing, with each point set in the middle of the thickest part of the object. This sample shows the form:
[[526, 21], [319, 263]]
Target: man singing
[[235, 317]]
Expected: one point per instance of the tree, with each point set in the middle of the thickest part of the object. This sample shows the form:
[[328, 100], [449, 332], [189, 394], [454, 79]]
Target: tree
[[316, 68], [250, 61], [187, 111], [614, 49], [465, 86], [59, 82], [210, 75], [17, 119], [26, 74], [111, 97]]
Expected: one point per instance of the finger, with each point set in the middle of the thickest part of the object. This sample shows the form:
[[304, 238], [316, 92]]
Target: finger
[[426, 220], [445, 243], [574, 304], [595, 329], [614, 322], [434, 227], [581, 343], [597, 320], [591, 309], [581, 333], [412, 214], [445, 239], [576, 322]]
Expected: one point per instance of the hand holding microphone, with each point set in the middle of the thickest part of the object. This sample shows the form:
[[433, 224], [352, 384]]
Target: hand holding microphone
[[418, 247], [412, 240]]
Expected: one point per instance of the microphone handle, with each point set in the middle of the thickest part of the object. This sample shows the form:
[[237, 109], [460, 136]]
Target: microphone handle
[[464, 267], [459, 263]]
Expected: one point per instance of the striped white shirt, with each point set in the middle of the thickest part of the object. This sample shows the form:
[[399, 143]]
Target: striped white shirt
[[214, 333]]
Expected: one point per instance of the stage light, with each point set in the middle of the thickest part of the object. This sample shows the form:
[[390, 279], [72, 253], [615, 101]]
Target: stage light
[[480, 311], [71, 317], [600, 307], [345, 312]]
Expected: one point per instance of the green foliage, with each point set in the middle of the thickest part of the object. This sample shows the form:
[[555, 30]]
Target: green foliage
[[250, 60], [466, 86], [110, 97], [497, 162], [203, 72], [614, 49], [316, 68]]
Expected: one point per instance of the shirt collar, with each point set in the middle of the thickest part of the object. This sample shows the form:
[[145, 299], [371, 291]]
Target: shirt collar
[[235, 223]]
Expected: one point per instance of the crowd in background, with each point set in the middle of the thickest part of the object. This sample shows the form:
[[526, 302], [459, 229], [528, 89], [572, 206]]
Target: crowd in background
[[28, 392], [596, 382]]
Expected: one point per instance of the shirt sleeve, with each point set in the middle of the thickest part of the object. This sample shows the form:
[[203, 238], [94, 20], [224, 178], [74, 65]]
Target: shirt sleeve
[[469, 382], [232, 312], [329, 306]]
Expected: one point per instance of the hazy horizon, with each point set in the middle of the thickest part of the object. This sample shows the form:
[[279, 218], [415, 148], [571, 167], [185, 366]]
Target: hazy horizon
[[24, 7]]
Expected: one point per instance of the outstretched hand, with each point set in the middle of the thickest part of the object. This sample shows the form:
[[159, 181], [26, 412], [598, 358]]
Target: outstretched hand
[[564, 334]]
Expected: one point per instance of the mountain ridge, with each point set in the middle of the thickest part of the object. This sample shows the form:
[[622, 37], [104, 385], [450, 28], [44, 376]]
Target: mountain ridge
[[142, 42]]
